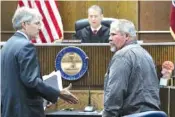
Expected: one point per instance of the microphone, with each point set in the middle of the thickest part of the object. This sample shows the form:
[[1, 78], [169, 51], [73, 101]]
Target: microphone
[[89, 108]]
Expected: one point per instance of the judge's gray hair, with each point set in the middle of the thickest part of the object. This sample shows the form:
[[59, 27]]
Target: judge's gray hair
[[124, 26], [25, 14]]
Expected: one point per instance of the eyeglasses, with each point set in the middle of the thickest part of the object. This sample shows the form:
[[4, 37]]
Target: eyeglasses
[[36, 23], [112, 34]]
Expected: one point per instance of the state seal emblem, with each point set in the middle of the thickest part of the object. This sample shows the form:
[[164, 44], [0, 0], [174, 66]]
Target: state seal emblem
[[72, 63]]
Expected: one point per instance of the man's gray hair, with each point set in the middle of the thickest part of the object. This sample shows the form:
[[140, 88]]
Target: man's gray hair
[[96, 8], [25, 14], [124, 26]]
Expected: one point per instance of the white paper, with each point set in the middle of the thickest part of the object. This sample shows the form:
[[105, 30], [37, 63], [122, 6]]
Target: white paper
[[58, 81], [53, 80]]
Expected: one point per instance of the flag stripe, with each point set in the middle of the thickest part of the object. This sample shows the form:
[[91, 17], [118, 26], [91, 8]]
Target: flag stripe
[[43, 35], [49, 20], [25, 3], [21, 3], [44, 20], [172, 20], [53, 27], [29, 3], [53, 18], [56, 13]]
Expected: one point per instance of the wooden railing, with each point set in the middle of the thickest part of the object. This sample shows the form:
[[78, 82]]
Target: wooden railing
[[99, 57]]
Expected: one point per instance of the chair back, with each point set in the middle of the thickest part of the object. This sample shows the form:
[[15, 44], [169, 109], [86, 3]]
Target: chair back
[[149, 114], [82, 23]]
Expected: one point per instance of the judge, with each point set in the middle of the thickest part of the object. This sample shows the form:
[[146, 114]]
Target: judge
[[96, 32]]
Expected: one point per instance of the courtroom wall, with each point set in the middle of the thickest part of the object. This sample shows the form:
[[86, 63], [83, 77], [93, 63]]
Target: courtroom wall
[[154, 16], [146, 15]]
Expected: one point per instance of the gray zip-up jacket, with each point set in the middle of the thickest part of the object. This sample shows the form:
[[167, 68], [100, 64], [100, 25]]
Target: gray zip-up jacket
[[131, 83]]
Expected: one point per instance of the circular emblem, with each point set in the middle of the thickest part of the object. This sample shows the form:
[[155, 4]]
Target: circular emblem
[[72, 63]]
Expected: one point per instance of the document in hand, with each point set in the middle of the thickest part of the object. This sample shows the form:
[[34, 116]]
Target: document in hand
[[54, 80]]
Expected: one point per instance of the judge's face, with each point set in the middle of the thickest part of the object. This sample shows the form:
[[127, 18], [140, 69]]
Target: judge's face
[[32, 29], [94, 17]]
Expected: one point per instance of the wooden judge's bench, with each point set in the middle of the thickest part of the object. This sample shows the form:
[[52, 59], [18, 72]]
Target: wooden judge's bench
[[99, 56]]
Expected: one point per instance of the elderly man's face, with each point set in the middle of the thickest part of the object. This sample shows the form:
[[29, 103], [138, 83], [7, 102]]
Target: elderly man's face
[[32, 29], [117, 40], [94, 18]]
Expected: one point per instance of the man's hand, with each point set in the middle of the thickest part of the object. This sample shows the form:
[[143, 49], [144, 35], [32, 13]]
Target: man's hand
[[66, 95]]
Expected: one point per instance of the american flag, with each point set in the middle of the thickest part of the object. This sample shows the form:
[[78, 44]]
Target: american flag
[[53, 27], [172, 19]]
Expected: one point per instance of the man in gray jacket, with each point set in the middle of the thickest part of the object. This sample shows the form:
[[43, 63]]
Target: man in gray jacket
[[131, 83], [22, 85]]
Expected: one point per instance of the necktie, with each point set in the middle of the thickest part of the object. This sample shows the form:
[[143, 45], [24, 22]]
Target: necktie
[[95, 32]]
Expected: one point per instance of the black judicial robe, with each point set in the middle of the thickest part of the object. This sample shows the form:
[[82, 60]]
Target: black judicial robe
[[86, 35]]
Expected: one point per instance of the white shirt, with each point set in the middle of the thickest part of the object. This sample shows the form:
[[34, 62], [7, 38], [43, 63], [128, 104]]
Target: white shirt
[[96, 29]]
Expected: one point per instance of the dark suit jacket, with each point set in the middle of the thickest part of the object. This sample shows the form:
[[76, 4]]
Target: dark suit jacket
[[22, 85], [87, 36]]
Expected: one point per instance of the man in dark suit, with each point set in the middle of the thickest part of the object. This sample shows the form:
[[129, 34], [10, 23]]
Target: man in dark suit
[[22, 84], [95, 33]]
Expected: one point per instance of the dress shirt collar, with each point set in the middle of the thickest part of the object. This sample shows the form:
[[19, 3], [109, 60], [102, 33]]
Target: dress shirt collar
[[96, 29], [23, 34]]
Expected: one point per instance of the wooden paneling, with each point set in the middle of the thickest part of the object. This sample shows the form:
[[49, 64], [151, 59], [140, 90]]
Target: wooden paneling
[[6, 36], [156, 37], [172, 103], [75, 10], [7, 11], [144, 14], [154, 15], [96, 101], [99, 57], [164, 99], [147, 38], [161, 54], [71, 11]]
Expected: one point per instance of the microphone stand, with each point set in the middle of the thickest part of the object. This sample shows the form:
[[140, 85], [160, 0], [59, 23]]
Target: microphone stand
[[89, 108]]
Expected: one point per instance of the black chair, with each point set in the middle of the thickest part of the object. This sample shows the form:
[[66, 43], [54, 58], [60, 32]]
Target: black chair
[[82, 23]]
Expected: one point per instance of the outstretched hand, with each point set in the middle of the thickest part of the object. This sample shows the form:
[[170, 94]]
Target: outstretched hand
[[66, 95]]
